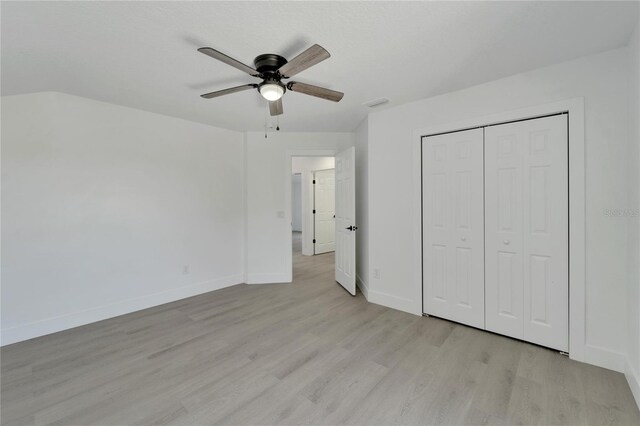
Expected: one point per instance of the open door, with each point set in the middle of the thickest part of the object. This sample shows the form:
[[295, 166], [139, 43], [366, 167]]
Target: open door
[[346, 220]]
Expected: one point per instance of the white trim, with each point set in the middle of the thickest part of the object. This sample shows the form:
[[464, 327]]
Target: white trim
[[364, 288], [288, 155], [577, 262], [633, 380], [99, 313], [268, 278], [392, 301], [245, 206], [605, 358]]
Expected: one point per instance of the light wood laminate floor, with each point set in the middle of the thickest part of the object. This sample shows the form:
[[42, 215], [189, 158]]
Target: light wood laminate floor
[[300, 353]]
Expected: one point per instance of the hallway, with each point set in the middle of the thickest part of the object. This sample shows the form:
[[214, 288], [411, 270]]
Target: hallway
[[308, 268]]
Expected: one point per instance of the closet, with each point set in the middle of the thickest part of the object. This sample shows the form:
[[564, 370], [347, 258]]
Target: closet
[[495, 213]]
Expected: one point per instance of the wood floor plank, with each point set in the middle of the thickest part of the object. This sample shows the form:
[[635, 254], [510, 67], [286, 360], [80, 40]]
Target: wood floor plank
[[299, 353]]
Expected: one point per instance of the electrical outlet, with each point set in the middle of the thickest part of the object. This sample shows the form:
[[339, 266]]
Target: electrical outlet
[[185, 270], [376, 274]]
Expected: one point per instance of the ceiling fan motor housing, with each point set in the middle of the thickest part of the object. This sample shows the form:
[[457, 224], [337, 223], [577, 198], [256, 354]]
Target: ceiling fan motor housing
[[269, 63]]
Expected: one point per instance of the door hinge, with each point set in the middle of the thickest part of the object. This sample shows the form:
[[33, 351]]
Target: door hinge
[[314, 211], [314, 241], [314, 181]]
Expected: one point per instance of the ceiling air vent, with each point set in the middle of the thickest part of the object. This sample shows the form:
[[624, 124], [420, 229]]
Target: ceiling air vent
[[376, 102]]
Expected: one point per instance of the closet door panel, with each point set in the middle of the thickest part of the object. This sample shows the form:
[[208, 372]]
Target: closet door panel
[[546, 237], [437, 228], [453, 240], [526, 234], [504, 230]]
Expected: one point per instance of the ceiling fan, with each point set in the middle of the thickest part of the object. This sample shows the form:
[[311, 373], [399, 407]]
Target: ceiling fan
[[272, 69]]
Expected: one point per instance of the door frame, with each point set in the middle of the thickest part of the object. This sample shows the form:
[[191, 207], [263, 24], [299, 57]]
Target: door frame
[[288, 156], [577, 230]]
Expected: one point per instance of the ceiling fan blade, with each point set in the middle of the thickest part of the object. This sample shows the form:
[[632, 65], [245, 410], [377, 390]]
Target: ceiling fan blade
[[228, 60], [306, 59], [319, 92], [275, 107], [229, 90]]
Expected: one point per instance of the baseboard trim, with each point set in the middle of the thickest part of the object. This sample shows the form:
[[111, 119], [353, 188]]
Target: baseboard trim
[[64, 322], [394, 302], [633, 380], [362, 286], [268, 278], [606, 358]]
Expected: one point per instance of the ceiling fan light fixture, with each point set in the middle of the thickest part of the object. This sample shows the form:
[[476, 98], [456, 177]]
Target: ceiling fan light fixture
[[271, 91]]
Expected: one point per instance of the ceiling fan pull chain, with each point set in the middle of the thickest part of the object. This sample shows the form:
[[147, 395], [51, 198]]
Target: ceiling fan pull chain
[[278, 123], [265, 123]]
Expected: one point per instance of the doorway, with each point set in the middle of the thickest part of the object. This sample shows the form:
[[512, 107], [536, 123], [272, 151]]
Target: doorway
[[312, 201], [343, 259]]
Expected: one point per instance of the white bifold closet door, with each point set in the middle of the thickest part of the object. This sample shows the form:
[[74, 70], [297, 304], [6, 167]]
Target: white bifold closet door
[[453, 225], [526, 230]]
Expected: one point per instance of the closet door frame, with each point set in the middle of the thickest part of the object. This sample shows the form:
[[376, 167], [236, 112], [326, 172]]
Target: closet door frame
[[577, 262]]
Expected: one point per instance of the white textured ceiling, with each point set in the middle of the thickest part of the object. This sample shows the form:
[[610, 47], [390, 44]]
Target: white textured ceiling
[[143, 54]]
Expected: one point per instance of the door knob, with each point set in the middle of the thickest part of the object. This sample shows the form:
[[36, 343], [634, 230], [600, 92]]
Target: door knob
[[506, 242], [351, 228], [464, 238]]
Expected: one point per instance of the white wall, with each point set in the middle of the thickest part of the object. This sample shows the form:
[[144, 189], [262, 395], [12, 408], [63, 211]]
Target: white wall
[[103, 206], [309, 164], [268, 164], [296, 202], [306, 166], [602, 80], [362, 201], [633, 178]]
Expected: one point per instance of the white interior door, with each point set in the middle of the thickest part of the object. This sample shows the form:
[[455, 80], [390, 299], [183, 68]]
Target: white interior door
[[324, 194], [527, 255], [346, 220], [453, 226]]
